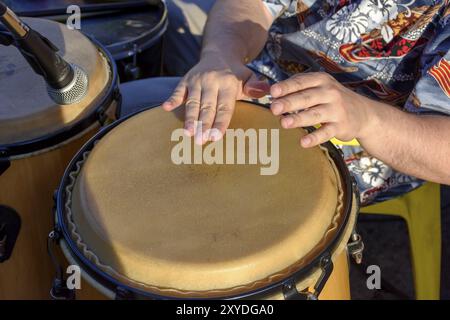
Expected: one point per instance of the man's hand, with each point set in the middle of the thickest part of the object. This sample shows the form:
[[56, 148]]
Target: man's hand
[[309, 99], [209, 91], [235, 33]]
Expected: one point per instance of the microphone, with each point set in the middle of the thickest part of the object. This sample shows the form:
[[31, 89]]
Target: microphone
[[66, 83]]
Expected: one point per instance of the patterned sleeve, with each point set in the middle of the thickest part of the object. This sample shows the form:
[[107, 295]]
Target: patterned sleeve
[[281, 8], [432, 91]]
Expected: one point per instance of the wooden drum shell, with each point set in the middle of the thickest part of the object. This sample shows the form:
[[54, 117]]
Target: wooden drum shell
[[27, 186]]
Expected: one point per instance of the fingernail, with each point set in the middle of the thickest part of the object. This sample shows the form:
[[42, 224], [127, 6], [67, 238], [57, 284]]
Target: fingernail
[[198, 139], [198, 136], [277, 108], [215, 135], [167, 105], [287, 122], [306, 141], [255, 92], [188, 132], [205, 136], [275, 91], [189, 129]]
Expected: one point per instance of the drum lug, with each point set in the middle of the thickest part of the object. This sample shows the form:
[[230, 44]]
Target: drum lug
[[356, 247], [102, 117], [9, 230], [118, 98], [132, 70], [59, 290], [290, 291]]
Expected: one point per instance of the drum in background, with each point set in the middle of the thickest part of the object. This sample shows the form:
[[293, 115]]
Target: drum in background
[[140, 226], [131, 30], [37, 140], [134, 38]]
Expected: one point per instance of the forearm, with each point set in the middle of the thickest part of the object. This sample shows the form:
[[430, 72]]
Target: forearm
[[236, 30], [412, 144]]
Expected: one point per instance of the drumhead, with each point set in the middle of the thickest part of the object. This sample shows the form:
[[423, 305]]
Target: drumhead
[[199, 230], [26, 111]]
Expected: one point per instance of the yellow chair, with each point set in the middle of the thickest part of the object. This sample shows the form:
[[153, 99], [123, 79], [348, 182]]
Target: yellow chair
[[421, 210]]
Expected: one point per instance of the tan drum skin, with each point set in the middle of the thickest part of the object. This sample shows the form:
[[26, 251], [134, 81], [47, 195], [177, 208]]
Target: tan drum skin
[[112, 227], [27, 186], [336, 288]]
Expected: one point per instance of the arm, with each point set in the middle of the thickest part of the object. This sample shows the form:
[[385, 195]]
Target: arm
[[417, 145], [236, 32]]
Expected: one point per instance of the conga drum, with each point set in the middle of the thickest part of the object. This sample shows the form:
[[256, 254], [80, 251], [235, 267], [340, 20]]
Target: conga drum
[[141, 225], [37, 141]]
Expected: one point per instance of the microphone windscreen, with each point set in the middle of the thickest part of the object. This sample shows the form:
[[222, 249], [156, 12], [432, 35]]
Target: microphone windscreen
[[74, 92]]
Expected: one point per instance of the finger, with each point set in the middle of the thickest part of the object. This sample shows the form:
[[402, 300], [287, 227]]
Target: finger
[[256, 88], [300, 100], [192, 109], [321, 135], [318, 114], [207, 111], [298, 82], [177, 98], [225, 107]]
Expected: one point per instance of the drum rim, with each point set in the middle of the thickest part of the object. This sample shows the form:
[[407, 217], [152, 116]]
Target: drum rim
[[87, 7], [109, 282], [120, 50], [57, 137]]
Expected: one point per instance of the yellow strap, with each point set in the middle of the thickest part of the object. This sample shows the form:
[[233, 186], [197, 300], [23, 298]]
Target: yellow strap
[[336, 142]]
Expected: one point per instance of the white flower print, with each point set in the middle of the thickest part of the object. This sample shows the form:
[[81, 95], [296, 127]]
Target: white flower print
[[379, 10], [387, 33], [347, 24], [374, 172]]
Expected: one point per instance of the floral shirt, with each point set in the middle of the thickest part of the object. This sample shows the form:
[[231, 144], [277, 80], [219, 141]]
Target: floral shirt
[[395, 51]]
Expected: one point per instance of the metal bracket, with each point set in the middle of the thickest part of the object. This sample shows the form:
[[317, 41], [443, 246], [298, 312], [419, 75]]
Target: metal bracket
[[102, 117], [9, 230], [290, 291], [132, 70], [117, 96], [356, 247], [59, 290]]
